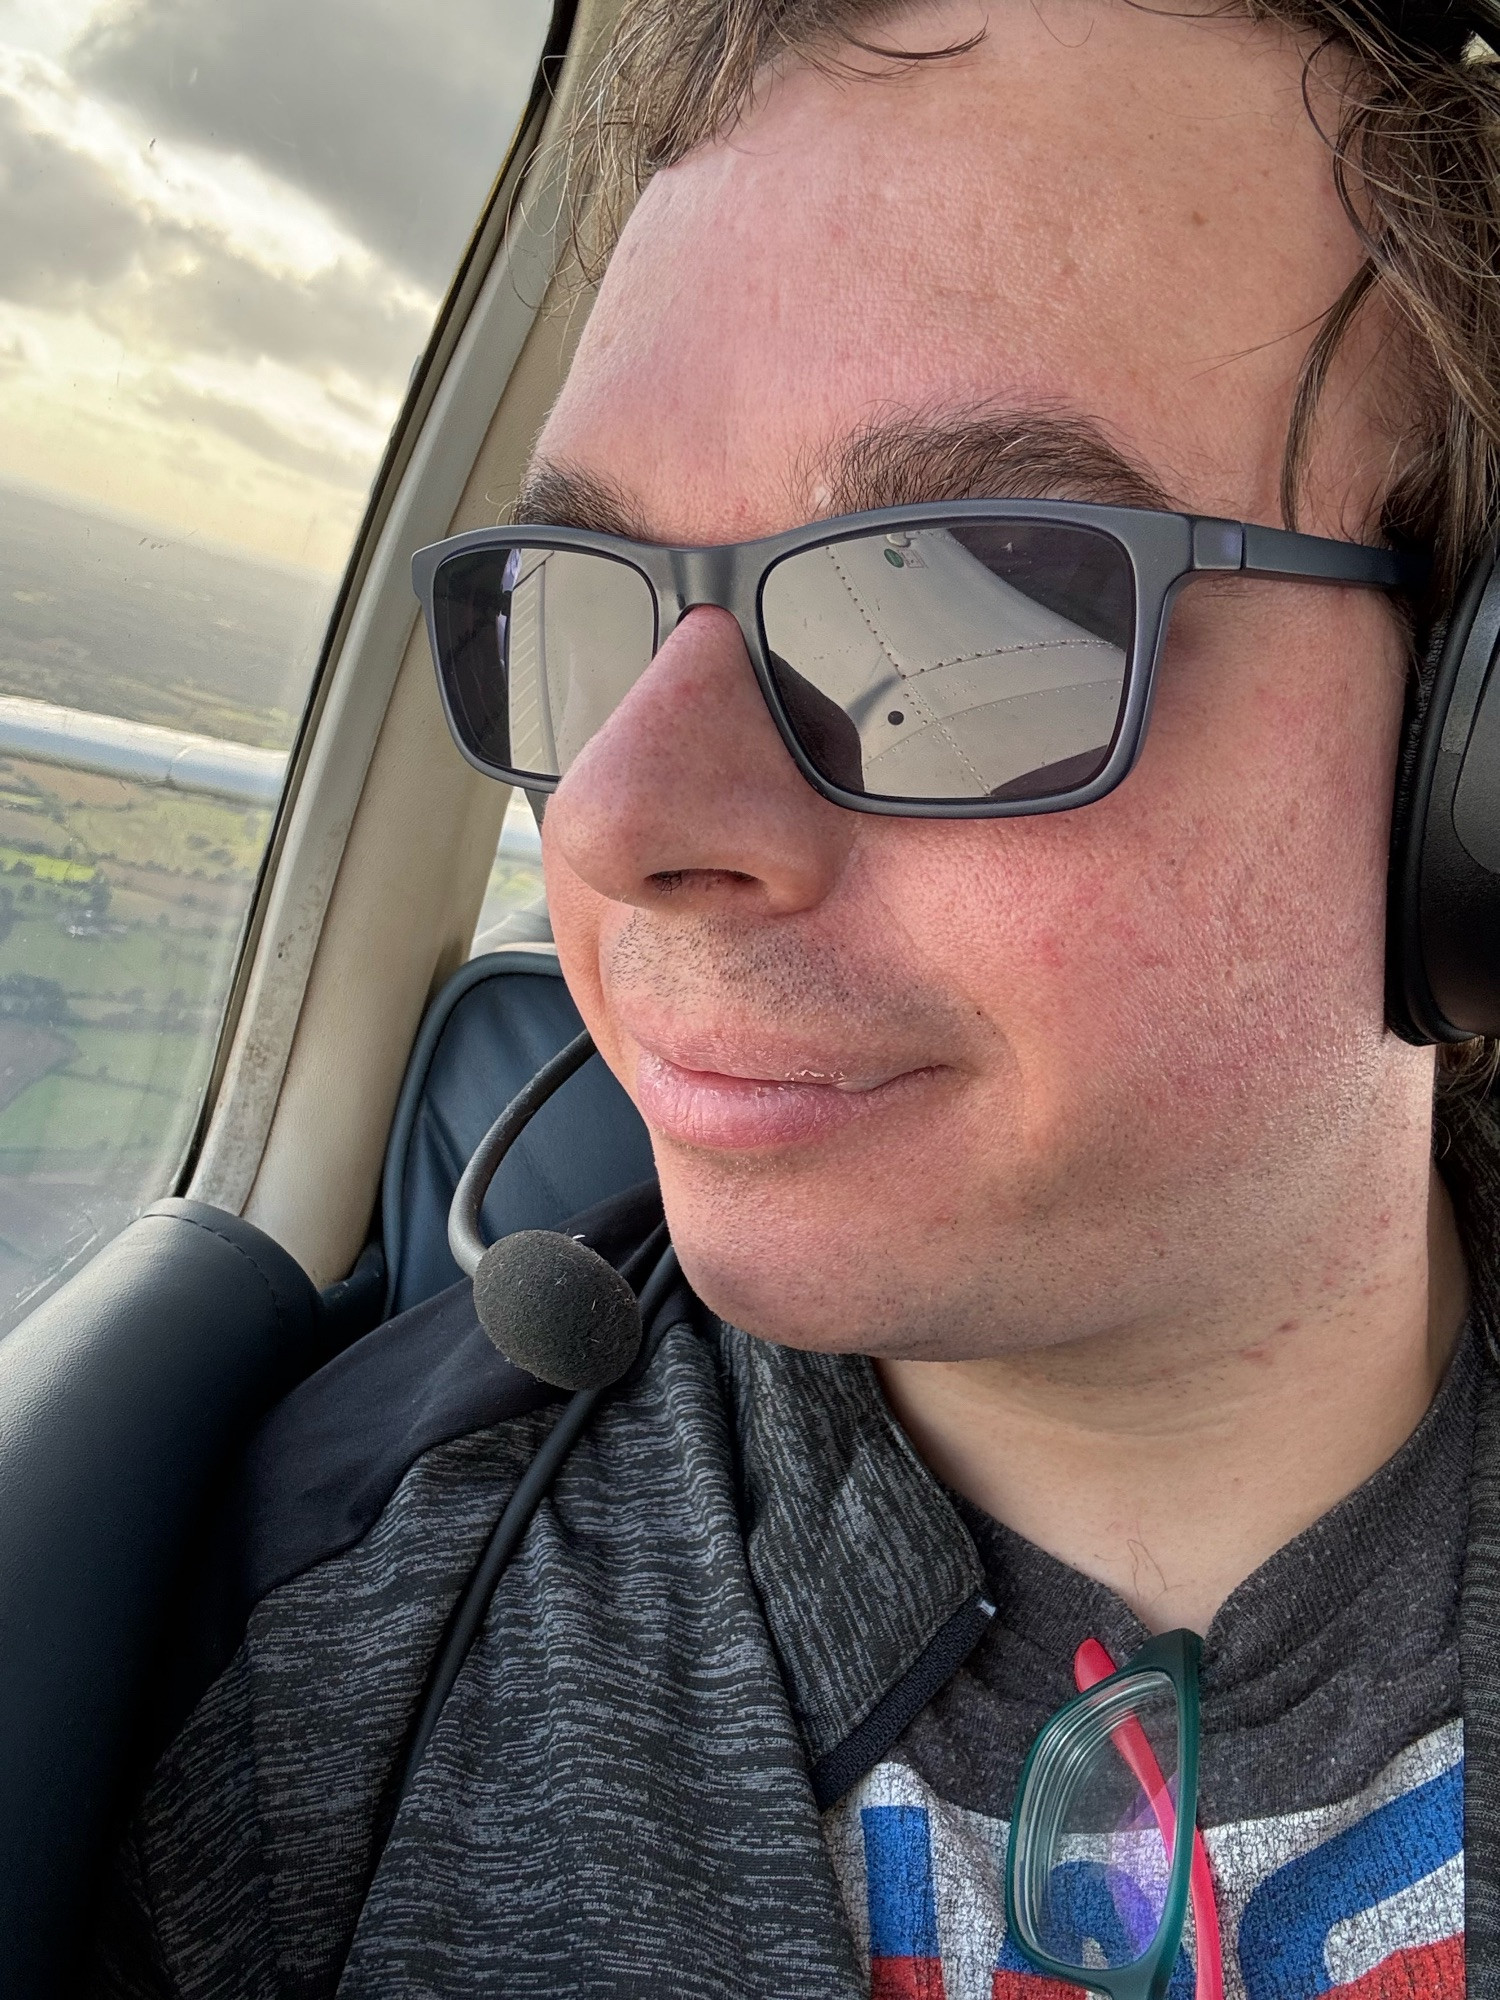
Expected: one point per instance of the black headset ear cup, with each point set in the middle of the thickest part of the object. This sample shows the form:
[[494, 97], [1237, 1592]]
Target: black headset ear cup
[[1408, 1003], [1443, 907]]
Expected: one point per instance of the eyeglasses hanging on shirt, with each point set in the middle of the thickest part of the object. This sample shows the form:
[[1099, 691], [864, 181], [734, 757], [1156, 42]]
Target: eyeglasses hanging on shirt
[[1105, 1855]]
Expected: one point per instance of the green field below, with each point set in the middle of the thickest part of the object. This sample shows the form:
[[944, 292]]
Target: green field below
[[122, 904], [121, 907], [141, 965], [123, 1096]]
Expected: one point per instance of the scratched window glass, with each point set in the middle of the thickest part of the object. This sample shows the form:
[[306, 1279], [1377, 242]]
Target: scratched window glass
[[228, 226]]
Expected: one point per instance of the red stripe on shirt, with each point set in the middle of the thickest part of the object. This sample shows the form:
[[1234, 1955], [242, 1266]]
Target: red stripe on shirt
[[1419, 1972], [1032, 1986], [906, 1979]]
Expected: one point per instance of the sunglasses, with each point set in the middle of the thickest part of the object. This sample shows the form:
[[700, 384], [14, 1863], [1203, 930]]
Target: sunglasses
[[959, 660], [1104, 1854]]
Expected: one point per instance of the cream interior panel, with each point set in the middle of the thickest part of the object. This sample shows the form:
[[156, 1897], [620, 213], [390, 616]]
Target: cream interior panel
[[390, 836], [403, 909]]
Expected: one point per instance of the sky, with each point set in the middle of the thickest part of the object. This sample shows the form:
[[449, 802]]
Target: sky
[[227, 226]]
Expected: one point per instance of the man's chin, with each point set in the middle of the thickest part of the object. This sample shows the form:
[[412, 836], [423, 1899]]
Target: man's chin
[[796, 1300], [867, 1256], [742, 1296], [813, 1248], [765, 1291]]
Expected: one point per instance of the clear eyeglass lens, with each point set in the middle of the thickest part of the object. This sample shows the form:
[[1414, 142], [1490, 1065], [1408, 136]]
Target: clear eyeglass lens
[[969, 661], [1097, 1827], [538, 647]]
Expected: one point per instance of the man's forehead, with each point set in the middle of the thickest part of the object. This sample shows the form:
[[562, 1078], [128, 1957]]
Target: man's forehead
[[1099, 211]]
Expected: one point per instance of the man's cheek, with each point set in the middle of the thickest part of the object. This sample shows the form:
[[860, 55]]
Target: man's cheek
[[579, 919], [1134, 983]]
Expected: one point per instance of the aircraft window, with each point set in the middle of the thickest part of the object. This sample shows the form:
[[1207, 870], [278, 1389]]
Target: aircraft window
[[515, 903], [228, 227]]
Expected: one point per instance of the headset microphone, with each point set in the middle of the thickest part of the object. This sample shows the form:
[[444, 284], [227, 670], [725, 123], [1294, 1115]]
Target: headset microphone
[[555, 1308], [549, 1303]]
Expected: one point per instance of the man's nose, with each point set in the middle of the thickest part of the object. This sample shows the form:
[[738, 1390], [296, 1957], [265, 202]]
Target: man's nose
[[688, 795]]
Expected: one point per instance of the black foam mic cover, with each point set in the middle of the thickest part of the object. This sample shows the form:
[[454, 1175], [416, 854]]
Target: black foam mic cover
[[555, 1308]]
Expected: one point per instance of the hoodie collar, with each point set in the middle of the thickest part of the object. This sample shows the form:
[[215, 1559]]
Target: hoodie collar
[[869, 1581]]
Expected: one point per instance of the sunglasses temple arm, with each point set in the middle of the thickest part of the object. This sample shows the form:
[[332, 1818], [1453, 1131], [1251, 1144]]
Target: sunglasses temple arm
[[1092, 1664]]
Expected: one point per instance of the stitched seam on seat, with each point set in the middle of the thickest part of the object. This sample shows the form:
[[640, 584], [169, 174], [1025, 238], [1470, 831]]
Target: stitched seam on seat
[[277, 1310]]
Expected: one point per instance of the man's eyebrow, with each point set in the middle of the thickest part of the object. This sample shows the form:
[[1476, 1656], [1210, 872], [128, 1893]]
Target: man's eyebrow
[[1028, 454], [899, 461], [564, 496]]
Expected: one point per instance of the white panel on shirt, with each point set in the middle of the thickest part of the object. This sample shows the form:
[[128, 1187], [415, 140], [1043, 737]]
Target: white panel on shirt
[[1362, 1899]]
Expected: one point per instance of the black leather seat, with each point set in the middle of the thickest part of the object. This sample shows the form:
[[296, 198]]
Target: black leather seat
[[125, 1397], [488, 1031]]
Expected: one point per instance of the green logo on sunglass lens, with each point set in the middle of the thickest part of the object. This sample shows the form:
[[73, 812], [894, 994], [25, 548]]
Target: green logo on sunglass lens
[[895, 561]]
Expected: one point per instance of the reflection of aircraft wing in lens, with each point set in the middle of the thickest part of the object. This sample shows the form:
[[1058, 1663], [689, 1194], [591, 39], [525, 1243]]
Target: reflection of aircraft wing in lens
[[958, 683], [579, 634], [533, 740]]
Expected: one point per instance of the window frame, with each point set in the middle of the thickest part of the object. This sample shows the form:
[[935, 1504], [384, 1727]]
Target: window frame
[[495, 305]]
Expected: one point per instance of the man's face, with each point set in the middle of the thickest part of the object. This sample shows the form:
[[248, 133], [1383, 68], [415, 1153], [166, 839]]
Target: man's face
[[951, 1087]]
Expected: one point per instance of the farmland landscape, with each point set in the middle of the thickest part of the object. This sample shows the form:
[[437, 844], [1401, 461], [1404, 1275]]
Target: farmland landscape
[[122, 903]]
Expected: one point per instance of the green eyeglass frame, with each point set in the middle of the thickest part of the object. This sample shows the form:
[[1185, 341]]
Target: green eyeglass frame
[[1079, 1726]]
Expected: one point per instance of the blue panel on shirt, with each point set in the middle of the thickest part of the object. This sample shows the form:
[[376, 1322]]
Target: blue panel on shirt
[[898, 1866]]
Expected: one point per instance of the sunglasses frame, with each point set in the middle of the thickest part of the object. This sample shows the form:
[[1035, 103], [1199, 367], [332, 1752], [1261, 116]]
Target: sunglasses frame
[[1174, 1656], [1165, 551]]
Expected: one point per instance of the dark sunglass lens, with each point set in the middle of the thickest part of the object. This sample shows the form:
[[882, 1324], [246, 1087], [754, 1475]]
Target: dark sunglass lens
[[975, 660], [536, 649]]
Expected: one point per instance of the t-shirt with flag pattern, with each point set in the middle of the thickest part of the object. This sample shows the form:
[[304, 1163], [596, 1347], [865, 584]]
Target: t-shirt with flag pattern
[[1331, 1774]]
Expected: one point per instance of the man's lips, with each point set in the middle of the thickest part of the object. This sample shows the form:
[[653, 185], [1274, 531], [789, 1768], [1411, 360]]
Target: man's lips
[[716, 1108]]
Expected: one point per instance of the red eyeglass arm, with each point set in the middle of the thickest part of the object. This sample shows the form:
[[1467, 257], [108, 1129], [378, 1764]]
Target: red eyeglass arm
[[1092, 1664]]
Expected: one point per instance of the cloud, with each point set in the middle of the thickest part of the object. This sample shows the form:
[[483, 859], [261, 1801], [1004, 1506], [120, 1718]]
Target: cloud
[[340, 455], [230, 224], [175, 257], [189, 291], [232, 302], [393, 116], [69, 223]]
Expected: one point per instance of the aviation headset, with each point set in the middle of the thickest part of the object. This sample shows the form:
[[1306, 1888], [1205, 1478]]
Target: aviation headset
[[1443, 912], [1443, 906]]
